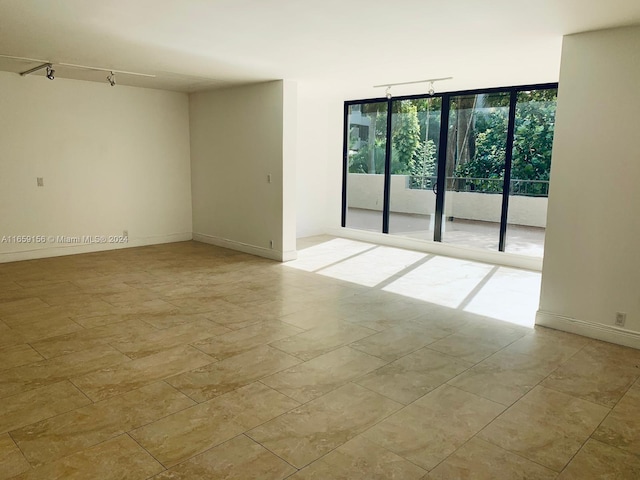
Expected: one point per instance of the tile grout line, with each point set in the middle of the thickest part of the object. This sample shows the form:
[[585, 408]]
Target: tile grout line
[[244, 434], [13, 440], [148, 452], [527, 355], [509, 407], [70, 380]]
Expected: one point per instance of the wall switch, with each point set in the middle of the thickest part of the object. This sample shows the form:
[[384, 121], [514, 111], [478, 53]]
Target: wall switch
[[40, 181], [621, 318]]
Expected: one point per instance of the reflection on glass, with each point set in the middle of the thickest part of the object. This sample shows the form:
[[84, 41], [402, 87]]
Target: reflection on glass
[[415, 127], [530, 167], [475, 166], [367, 139]]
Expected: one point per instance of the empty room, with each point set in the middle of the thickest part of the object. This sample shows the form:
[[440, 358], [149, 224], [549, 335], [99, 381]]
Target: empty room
[[277, 239]]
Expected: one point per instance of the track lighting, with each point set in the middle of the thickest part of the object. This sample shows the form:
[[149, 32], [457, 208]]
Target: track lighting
[[50, 74], [50, 71], [430, 81]]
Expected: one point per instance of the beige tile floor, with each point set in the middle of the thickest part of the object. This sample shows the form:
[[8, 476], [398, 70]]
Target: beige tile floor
[[187, 361]]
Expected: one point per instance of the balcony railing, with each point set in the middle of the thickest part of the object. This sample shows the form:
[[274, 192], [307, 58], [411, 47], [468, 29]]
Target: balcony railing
[[527, 188]]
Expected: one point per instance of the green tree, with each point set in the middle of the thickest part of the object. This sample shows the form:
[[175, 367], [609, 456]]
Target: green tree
[[533, 141], [423, 165], [476, 146], [405, 134], [361, 161], [366, 154], [490, 144]]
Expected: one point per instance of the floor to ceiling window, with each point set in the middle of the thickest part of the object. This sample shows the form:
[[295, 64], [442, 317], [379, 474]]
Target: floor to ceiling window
[[415, 138], [366, 139], [531, 164], [465, 168], [475, 168]]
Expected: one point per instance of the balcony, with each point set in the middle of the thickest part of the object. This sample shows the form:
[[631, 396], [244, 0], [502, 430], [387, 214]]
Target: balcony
[[472, 210]]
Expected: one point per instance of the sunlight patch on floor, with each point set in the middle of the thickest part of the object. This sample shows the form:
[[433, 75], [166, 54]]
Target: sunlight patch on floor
[[502, 293], [443, 281], [319, 256], [373, 267], [511, 295]]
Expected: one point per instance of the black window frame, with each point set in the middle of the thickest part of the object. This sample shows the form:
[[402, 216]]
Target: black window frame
[[442, 152]]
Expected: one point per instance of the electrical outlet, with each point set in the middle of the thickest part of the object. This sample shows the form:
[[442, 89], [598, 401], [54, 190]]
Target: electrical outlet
[[621, 318], [125, 233], [40, 181]]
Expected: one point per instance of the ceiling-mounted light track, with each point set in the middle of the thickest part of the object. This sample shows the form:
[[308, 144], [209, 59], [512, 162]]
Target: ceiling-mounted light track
[[111, 78], [49, 66], [430, 81], [46, 65], [110, 70]]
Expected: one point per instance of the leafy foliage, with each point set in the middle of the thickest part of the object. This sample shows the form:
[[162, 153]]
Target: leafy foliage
[[477, 138], [360, 162], [535, 120], [405, 135], [423, 165], [490, 145]]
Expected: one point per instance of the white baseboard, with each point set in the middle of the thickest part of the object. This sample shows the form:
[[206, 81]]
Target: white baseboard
[[278, 255], [439, 248], [74, 249], [606, 333]]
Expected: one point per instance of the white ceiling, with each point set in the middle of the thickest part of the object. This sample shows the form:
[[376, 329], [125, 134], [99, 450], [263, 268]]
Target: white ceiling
[[199, 44]]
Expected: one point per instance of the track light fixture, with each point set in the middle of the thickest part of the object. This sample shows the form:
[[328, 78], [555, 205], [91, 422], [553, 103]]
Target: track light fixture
[[430, 81], [50, 71], [50, 74]]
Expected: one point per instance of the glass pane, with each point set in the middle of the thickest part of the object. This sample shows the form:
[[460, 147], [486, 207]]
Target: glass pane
[[415, 135], [366, 155], [529, 189], [476, 148]]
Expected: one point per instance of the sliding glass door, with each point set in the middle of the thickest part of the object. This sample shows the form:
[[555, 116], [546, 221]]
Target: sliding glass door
[[530, 171], [475, 168], [415, 138], [466, 168], [366, 139]]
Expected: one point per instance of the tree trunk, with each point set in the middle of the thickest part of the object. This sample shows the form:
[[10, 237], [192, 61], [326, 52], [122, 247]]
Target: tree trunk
[[372, 142], [461, 146]]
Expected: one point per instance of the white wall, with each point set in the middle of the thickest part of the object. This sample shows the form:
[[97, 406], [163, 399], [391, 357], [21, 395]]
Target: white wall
[[366, 191], [289, 164], [592, 261], [112, 158], [319, 164], [239, 136], [529, 211]]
